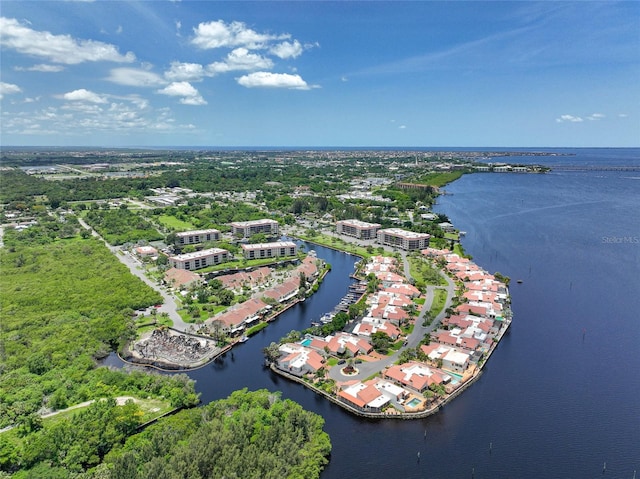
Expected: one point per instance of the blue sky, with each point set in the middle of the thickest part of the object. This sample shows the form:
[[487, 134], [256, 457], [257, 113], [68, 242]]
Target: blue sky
[[199, 73]]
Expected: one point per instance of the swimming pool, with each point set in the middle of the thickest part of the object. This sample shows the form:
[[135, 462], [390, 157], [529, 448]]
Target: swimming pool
[[414, 402], [306, 342]]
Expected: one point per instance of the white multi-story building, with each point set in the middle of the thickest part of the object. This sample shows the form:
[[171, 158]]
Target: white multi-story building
[[196, 237], [406, 240], [199, 259], [269, 250], [357, 228], [248, 228]]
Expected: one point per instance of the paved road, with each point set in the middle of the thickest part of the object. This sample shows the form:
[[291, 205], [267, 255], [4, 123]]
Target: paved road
[[169, 305]]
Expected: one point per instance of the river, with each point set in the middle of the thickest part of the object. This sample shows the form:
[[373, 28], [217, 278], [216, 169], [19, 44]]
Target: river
[[560, 395]]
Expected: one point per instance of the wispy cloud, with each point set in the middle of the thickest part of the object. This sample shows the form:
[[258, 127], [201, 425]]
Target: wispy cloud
[[43, 67], [135, 77], [8, 89], [57, 48], [595, 117], [569, 118], [240, 59], [217, 34]]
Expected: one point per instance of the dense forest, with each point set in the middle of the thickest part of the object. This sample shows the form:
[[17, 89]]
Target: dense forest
[[250, 435], [63, 306]]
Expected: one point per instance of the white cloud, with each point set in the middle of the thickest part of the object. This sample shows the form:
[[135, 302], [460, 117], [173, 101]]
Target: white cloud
[[84, 96], [43, 67], [57, 48], [135, 77], [569, 118], [240, 59], [190, 96], [273, 80], [402, 127], [287, 49], [123, 116], [8, 89], [595, 116], [218, 34], [622, 115], [184, 72]]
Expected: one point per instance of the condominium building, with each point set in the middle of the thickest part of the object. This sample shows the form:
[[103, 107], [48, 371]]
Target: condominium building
[[406, 240], [199, 259], [269, 250], [196, 236], [248, 228], [357, 228]]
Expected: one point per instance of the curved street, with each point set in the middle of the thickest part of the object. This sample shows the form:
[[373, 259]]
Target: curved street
[[368, 368]]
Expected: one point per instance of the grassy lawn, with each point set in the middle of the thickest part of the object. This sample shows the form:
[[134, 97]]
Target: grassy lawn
[[332, 361], [424, 273], [452, 236], [338, 243], [439, 298], [174, 223], [258, 327], [242, 263], [151, 408]]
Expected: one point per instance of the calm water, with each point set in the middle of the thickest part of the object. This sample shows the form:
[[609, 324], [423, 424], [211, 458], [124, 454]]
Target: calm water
[[561, 394]]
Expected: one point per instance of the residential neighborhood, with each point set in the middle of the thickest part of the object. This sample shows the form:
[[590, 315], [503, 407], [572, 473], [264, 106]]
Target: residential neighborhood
[[347, 368]]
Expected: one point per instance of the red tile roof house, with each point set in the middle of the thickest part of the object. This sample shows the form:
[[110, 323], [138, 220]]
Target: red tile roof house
[[181, 278], [364, 396], [434, 252], [389, 278], [453, 359], [383, 298], [239, 280], [308, 267], [284, 291], [299, 360], [404, 289], [369, 325], [345, 343], [237, 318], [416, 376]]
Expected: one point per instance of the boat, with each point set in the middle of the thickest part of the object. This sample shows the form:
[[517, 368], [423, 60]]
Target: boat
[[519, 281], [243, 339]]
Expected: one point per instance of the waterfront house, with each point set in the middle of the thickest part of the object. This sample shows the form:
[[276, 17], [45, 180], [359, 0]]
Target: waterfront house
[[364, 396], [299, 360], [415, 375], [453, 359]]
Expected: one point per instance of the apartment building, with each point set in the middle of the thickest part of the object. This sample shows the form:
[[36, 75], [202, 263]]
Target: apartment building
[[269, 250], [196, 237], [199, 259], [403, 239], [247, 228], [359, 229]]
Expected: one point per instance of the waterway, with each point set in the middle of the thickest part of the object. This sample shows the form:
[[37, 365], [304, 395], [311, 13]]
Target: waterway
[[560, 395]]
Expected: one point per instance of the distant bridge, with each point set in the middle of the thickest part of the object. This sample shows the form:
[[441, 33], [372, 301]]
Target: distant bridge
[[593, 168]]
